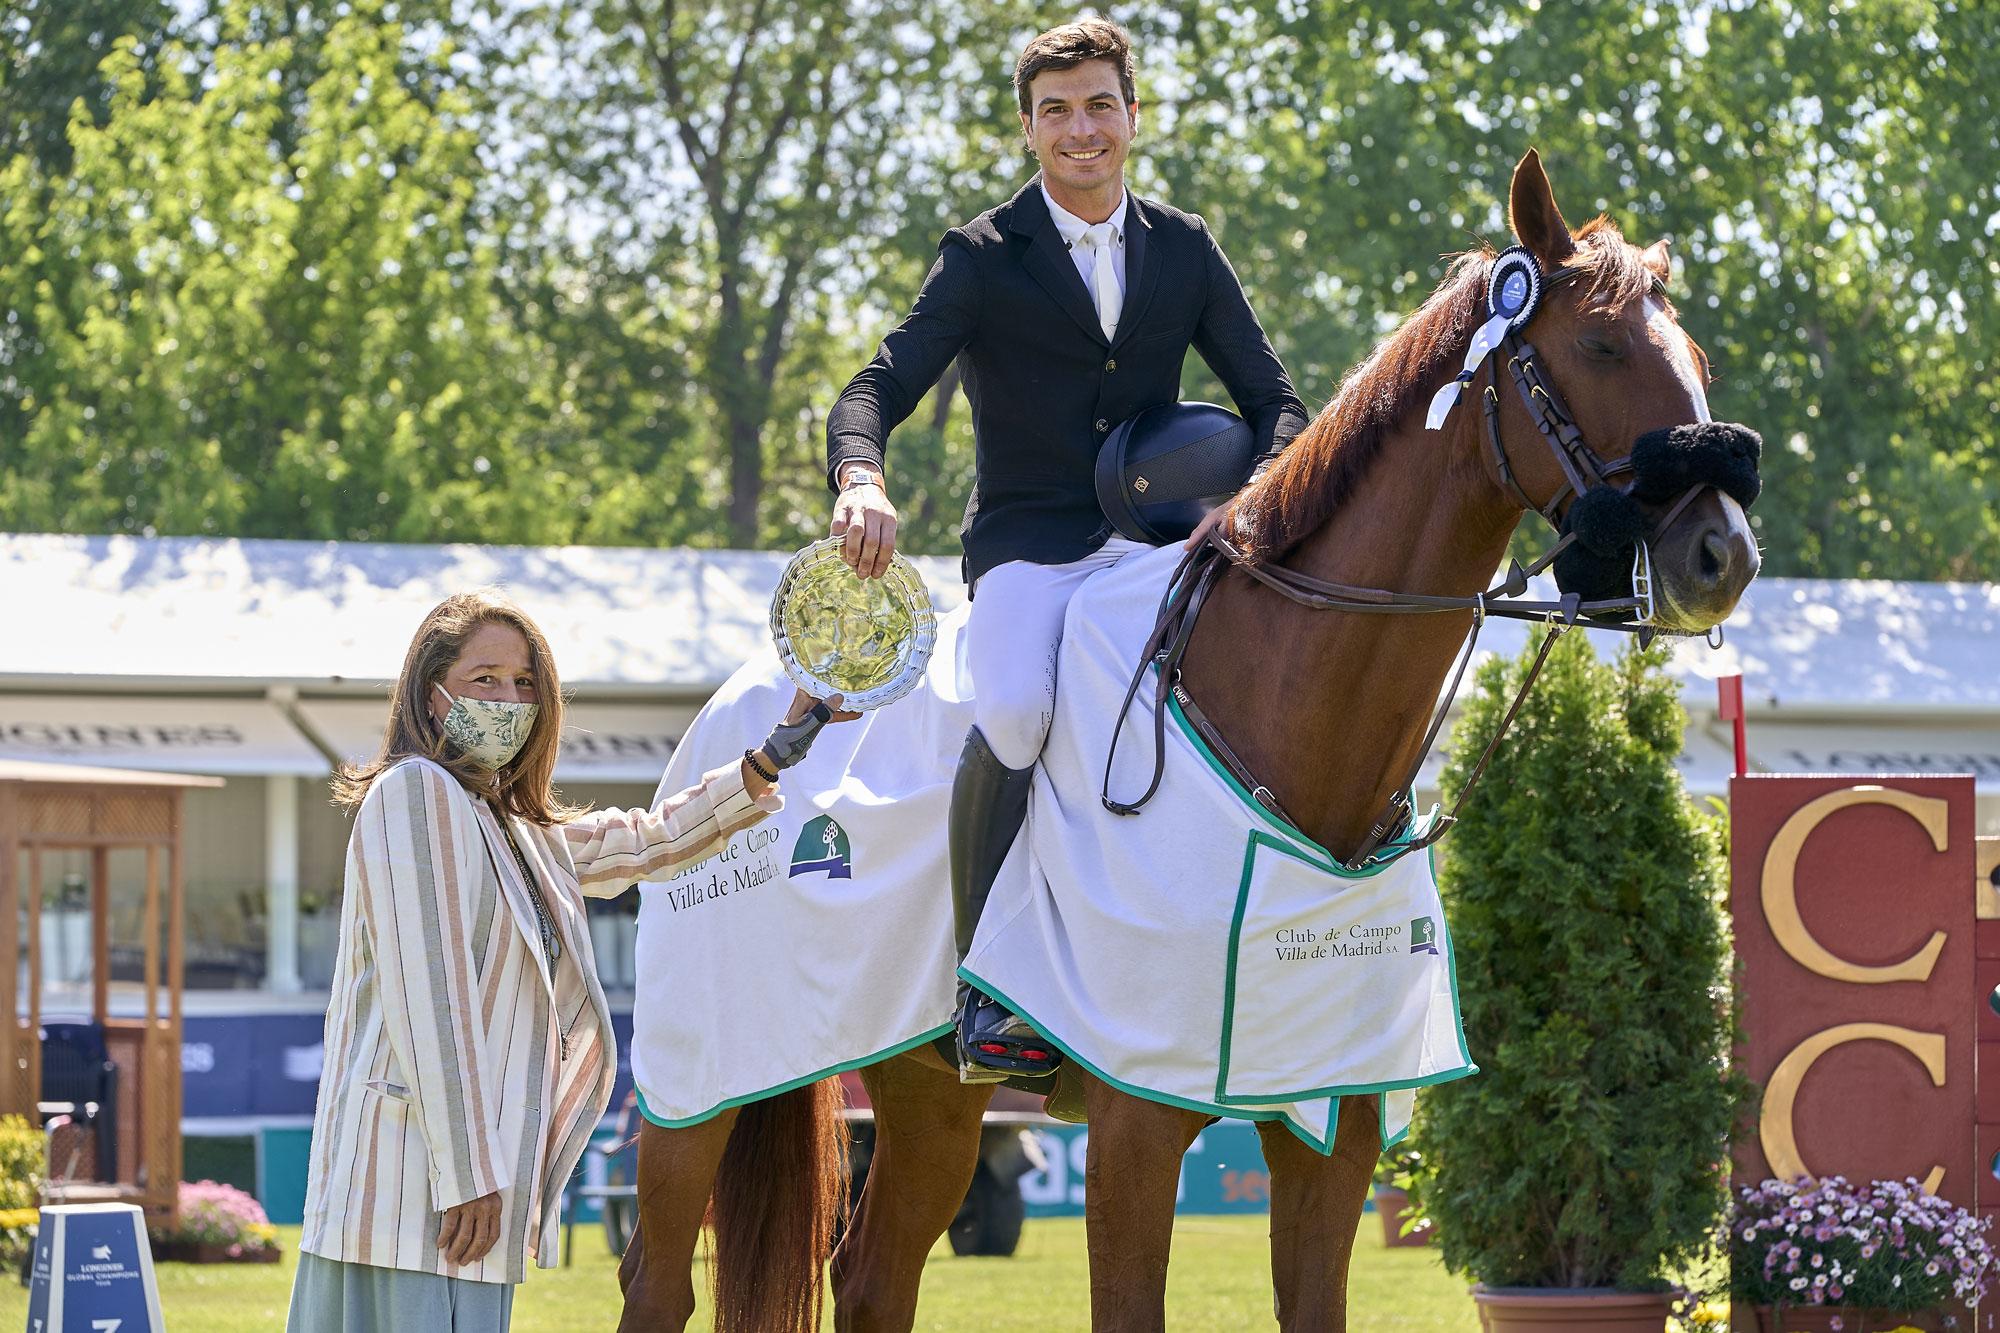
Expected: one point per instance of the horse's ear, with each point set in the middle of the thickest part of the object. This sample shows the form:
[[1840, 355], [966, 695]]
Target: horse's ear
[[1537, 222], [1656, 260]]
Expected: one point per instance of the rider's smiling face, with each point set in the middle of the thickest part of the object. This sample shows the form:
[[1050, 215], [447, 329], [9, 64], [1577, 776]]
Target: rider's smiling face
[[1080, 130]]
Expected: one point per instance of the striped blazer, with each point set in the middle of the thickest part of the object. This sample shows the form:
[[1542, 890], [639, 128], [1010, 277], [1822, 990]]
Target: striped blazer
[[456, 1064]]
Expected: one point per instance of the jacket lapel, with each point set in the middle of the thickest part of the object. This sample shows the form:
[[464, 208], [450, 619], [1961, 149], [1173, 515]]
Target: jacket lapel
[[513, 892], [1142, 270], [1047, 259]]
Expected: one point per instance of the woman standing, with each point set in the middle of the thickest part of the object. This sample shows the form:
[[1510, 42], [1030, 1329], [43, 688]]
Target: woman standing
[[469, 1051]]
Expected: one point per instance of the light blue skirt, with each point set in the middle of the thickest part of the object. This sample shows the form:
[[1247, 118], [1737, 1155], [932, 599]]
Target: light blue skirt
[[329, 1296]]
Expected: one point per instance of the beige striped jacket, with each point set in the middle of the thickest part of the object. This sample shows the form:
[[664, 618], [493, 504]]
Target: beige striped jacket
[[456, 1065]]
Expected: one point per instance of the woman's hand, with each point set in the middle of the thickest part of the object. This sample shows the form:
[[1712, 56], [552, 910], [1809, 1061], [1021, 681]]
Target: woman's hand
[[802, 703], [470, 1230], [769, 756]]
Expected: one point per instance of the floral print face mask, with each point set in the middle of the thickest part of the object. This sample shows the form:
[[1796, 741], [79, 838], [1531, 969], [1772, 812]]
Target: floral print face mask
[[489, 731]]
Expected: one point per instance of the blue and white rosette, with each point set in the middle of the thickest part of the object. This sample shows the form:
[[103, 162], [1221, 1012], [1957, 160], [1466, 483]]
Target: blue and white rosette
[[1513, 291]]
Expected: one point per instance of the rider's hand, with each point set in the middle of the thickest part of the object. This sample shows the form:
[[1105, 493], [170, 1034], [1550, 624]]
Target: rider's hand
[[1212, 520], [864, 516], [470, 1230]]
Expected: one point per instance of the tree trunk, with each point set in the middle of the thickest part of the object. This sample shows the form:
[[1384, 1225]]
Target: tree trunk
[[745, 432]]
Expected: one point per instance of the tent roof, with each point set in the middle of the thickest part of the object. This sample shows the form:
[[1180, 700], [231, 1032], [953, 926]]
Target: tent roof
[[173, 613], [182, 613], [24, 770]]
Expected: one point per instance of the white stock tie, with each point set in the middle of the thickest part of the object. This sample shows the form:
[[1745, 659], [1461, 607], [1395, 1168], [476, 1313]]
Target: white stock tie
[[1103, 278]]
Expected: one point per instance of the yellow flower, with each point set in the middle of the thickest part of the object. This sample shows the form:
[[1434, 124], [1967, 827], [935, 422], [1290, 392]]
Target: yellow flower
[[1710, 1314]]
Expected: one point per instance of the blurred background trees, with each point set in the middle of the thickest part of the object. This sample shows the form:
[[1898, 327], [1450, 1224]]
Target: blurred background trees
[[527, 271]]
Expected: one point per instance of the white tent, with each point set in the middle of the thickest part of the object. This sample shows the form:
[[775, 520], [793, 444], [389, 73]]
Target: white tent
[[270, 659]]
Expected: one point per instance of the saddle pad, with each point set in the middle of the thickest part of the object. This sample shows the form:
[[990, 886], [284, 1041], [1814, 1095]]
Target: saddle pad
[[1202, 953], [819, 940]]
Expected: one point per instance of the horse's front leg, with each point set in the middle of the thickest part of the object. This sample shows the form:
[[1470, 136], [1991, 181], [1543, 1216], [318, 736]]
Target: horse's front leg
[[1315, 1208], [927, 1127], [1131, 1173], [676, 1175]]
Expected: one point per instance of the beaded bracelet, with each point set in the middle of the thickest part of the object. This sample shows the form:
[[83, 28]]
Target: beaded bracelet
[[750, 758]]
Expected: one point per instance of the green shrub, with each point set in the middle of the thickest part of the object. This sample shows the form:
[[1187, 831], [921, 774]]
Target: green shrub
[[22, 1154], [23, 1151], [1585, 899]]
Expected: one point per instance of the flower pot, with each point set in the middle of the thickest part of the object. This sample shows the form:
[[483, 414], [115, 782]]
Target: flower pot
[[1572, 1310], [1841, 1319], [1391, 1205]]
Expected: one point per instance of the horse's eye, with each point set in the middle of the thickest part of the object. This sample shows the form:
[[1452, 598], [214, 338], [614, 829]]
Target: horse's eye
[[1599, 348]]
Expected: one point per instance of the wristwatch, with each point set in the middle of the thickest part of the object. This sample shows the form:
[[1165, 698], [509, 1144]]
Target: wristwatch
[[859, 475]]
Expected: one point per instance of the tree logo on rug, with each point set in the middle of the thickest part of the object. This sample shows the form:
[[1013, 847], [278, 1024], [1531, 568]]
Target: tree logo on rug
[[823, 846], [1423, 935]]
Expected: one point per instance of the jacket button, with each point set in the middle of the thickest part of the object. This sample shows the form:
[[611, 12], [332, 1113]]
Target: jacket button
[[1102, 425], [1111, 365]]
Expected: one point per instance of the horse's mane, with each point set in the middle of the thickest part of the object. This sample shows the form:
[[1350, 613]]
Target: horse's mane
[[1319, 470]]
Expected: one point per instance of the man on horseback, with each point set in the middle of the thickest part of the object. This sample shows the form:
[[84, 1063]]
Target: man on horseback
[[1069, 309]]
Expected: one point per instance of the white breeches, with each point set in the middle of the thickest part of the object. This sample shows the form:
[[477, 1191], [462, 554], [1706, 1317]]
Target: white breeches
[[1012, 637]]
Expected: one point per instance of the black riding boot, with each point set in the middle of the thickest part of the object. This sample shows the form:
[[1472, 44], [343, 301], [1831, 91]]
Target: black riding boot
[[988, 803]]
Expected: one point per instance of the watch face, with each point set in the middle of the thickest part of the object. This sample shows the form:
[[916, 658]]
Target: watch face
[[838, 633]]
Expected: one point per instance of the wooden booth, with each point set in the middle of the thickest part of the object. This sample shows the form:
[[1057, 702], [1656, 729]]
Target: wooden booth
[[90, 868]]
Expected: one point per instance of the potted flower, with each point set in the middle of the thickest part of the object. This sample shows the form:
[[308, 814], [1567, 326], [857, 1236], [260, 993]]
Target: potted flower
[[1586, 1164], [1402, 1223], [1823, 1254], [216, 1224]]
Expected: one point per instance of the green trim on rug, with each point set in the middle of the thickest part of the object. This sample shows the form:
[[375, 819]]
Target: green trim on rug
[[828, 1072], [1297, 1131], [1420, 825], [1451, 959], [1465, 1069]]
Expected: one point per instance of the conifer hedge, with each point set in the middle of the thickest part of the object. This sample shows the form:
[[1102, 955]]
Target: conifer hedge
[[1585, 894]]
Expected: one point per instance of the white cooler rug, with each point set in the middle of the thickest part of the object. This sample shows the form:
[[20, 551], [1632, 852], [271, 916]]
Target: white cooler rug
[[819, 940], [1202, 953]]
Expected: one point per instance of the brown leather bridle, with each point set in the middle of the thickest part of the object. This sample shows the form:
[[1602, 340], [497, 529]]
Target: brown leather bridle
[[1583, 468]]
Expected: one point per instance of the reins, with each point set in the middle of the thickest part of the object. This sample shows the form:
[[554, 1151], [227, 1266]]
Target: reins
[[1199, 571]]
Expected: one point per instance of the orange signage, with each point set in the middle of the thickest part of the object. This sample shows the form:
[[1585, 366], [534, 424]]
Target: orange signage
[[1855, 912]]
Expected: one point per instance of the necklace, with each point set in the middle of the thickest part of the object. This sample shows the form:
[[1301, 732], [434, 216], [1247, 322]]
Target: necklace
[[551, 942]]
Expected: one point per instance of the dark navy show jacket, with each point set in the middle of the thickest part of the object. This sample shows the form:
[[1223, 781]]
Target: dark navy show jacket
[[1006, 300]]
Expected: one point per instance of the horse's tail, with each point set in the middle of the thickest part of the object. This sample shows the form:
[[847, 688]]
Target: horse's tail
[[779, 1192]]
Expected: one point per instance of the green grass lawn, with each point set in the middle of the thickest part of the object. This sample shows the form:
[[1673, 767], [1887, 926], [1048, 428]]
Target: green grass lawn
[[1220, 1280]]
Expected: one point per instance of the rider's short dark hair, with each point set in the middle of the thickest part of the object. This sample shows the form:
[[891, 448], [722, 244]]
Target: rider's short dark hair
[[1071, 45]]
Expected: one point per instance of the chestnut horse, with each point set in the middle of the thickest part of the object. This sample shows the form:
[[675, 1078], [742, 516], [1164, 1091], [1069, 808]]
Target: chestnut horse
[[1366, 497]]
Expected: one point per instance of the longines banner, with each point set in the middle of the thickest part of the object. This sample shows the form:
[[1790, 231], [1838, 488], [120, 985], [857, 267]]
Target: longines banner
[[1865, 993]]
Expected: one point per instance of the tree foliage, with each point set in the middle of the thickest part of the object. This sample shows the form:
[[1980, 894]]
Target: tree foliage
[[1829, 176], [648, 240], [1584, 894], [50, 54]]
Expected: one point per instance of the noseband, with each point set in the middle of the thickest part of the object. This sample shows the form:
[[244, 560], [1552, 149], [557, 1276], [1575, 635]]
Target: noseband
[[1602, 521]]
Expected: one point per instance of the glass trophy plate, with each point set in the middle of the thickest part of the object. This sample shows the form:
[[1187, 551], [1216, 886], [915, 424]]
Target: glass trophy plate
[[837, 633]]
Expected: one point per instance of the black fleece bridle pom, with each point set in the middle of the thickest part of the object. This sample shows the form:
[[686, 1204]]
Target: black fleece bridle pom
[[1598, 564], [1722, 454]]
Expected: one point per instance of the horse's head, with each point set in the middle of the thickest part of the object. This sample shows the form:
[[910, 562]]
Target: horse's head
[[1628, 454]]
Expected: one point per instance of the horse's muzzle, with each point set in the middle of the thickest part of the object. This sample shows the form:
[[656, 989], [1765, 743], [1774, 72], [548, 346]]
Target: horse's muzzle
[[1703, 562], [1690, 486]]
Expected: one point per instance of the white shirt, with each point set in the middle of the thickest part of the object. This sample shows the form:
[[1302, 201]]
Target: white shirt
[[1071, 227]]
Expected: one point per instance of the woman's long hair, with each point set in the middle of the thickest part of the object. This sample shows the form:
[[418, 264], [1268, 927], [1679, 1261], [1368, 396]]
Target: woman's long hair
[[524, 786]]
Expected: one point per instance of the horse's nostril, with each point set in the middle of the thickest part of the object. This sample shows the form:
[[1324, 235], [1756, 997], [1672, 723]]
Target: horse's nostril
[[1714, 557]]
